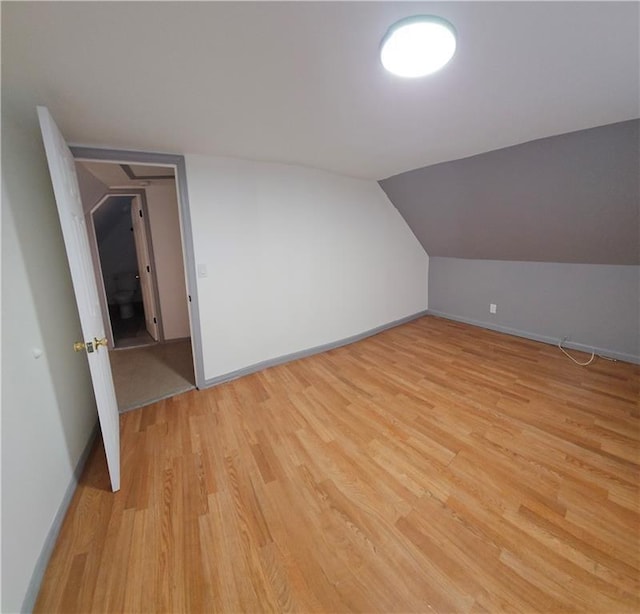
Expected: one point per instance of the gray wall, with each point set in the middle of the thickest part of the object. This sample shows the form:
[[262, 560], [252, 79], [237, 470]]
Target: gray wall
[[547, 230], [568, 198], [596, 306]]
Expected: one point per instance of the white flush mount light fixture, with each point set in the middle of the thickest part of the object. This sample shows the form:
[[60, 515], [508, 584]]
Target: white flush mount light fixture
[[418, 46]]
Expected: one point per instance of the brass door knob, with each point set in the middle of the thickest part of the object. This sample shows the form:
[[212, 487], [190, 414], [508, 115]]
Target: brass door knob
[[100, 342], [90, 346]]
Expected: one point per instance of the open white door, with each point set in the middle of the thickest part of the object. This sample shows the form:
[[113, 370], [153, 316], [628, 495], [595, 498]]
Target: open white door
[[74, 231], [145, 273]]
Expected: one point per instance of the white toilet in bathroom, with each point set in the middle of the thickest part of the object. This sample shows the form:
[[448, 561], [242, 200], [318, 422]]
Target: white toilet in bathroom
[[126, 285]]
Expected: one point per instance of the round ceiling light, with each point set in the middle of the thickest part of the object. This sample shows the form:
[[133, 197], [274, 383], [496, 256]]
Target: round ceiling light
[[418, 46]]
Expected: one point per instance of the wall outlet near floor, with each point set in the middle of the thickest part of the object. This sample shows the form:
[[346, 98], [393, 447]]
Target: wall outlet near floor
[[493, 308]]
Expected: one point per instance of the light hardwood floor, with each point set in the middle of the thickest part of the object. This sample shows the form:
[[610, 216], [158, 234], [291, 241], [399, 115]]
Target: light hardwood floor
[[436, 467]]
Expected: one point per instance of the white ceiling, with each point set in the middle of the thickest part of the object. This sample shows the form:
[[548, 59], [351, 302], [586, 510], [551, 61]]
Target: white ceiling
[[300, 82]]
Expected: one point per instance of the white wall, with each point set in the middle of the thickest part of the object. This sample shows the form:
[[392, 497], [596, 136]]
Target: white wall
[[91, 191], [296, 258], [164, 219], [91, 188], [48, 409]]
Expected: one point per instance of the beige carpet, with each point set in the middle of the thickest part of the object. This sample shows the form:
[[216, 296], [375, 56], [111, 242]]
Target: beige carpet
[[144, 375]]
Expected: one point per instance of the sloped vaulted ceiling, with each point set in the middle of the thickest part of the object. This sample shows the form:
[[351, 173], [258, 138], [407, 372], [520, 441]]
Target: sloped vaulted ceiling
[[568, 198]]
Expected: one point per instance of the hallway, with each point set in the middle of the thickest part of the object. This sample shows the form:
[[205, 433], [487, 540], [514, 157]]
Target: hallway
[[147, 374]]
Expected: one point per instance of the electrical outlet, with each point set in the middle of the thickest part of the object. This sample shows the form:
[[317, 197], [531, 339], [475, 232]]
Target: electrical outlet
[[493, 308]]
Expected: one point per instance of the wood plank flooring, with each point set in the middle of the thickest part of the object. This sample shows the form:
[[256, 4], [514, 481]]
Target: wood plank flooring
[[435, 467]]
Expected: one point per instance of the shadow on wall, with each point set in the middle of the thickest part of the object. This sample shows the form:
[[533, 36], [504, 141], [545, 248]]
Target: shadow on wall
[[28, 193], [48, 406], [117, 248]]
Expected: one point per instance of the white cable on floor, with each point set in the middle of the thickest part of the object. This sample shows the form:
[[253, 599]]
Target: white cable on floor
[[582, 364]]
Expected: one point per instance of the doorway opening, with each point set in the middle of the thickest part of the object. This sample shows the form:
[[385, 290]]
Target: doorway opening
[[127, 268], [142, 261]]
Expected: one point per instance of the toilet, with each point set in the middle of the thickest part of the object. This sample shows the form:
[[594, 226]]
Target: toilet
[[126, 285]]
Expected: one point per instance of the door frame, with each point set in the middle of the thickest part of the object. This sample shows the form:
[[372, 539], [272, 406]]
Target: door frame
[[142, 241], [177, 162], [95, 253]]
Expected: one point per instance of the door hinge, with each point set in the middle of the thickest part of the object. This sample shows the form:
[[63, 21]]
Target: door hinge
[[154, 320], [189, 298], [148, 269]]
